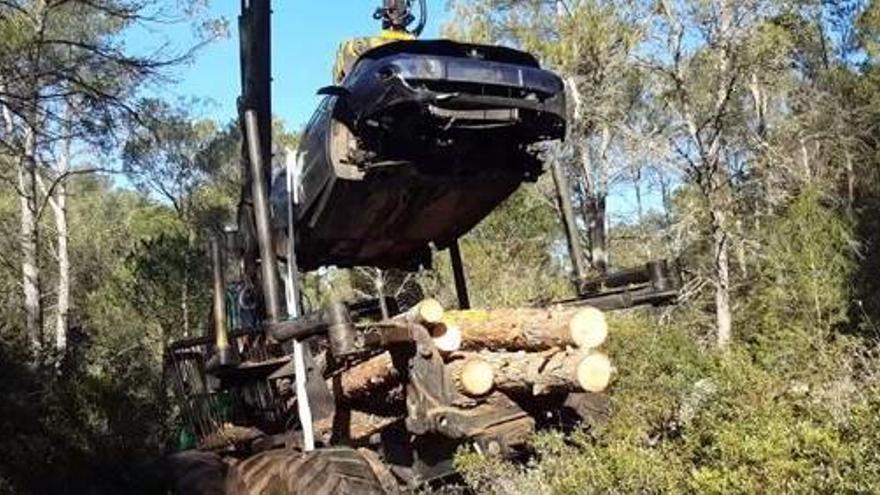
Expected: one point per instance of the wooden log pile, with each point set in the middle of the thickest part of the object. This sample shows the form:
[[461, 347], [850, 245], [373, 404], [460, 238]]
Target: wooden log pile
[[520, 350]]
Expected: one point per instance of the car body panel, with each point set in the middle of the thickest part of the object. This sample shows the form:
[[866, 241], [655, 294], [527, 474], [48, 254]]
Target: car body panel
[[419, 142]]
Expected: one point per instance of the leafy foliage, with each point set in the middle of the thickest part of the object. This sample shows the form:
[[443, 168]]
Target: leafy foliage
[[753, 136], [788, 408]]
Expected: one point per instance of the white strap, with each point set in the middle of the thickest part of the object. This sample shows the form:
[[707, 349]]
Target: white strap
[[292, 293]]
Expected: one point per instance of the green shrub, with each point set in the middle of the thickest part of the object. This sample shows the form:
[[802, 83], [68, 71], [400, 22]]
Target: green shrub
[[687, 419], [801, 293]]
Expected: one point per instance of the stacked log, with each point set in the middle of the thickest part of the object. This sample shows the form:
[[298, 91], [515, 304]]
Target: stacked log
[[522, 351], [528, 329], [368, 378], [537, 373]]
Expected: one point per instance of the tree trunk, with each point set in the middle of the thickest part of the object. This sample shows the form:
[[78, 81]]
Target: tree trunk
[[28, 232], [30, 243], [536, 373], [637, 185], [805, 162], [495, 334], [368, 380], [356, 426], [640, 211], [741, 256], [598, 236], [594, 211], [184, 302], [563, 198], [58, 202], [184, 292], [27, 182], [850, 185], [599, 232], [63, 305], [379, 284], [722, 279], [59, 212], [760, 106]]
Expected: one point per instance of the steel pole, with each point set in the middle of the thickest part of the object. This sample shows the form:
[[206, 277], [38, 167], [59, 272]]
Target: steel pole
[[461, 290], [255, 62], [259, 192], [221, 339]]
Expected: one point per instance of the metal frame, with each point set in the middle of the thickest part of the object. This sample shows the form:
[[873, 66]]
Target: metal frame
[[438, 418], [461, 289]]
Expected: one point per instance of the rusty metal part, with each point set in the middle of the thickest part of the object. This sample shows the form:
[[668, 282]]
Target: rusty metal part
[[655, 283], [434, 404], [225, 354]]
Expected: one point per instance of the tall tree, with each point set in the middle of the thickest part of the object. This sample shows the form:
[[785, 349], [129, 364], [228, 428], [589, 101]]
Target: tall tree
[[697, 53], [65, 53], [172, 157]]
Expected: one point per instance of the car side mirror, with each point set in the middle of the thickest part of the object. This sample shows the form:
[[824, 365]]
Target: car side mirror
[[334, 91]]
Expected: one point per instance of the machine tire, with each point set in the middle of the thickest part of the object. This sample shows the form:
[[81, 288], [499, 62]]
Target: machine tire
[[328, 471], [194, 472]]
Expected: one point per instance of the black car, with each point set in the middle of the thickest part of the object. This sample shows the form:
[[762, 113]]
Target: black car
[[416, 145]]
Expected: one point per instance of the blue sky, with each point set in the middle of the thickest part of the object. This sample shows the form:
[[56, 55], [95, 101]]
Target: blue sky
[[305, 36]]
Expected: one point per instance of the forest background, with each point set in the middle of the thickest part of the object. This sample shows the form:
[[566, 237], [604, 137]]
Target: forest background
[[738, 138]]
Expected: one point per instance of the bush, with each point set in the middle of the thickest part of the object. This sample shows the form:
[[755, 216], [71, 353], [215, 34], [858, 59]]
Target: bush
[[689, 420], [800, 297], [70, 430], [658, 366]]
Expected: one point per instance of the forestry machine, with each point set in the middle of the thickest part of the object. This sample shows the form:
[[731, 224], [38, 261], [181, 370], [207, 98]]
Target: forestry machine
[[414, 144]]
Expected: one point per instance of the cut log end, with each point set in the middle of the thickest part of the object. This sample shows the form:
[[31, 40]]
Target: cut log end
[[476, 377], [447, 338], [428, 311], [594, 372], [589, 329]]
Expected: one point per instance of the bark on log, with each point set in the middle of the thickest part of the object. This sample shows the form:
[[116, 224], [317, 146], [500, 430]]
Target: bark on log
[[529, 373], [495, 333], [512, 372], [374, 376], [529, 329], [356, 426]]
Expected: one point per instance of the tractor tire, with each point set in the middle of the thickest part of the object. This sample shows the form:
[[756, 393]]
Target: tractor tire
[[337, 470], [193, 472]]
